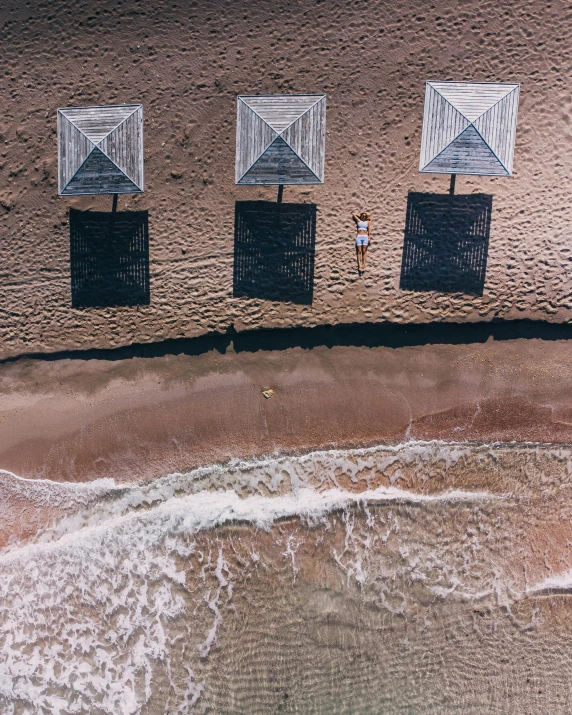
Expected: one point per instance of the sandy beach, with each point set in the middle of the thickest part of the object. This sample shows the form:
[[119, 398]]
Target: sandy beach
[[186, 64], [76, 420], [390, 530]]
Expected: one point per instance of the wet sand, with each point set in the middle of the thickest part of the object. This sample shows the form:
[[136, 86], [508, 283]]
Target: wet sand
[[206, 601], [139, 418]]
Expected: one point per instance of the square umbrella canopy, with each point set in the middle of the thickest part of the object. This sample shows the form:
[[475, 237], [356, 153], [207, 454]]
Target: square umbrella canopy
[[100, 150]]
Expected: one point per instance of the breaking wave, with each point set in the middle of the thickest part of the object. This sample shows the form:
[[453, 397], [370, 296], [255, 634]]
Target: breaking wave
[[125, 594]]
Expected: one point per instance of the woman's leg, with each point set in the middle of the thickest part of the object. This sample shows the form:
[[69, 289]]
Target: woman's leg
[[358, 248], [360, 258], [363, 256]]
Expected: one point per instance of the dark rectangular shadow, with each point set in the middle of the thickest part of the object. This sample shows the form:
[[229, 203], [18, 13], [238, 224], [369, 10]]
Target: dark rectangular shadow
[[109, 255], [446, 243], [274, 246]]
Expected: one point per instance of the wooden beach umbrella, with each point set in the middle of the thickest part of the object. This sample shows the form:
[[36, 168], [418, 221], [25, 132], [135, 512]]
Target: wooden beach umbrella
[[469, 128], [280, 139], [100, 150]]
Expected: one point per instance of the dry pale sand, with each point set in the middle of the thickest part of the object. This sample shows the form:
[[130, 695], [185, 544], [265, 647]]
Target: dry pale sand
[[186, 62]]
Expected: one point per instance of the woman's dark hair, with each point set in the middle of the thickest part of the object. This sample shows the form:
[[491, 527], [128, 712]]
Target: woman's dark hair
[[363, 216]]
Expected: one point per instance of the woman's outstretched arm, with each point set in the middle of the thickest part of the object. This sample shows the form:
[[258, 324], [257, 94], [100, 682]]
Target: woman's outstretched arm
[[369, 230]]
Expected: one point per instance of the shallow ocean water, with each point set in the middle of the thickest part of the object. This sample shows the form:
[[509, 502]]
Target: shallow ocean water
[[420, 577]]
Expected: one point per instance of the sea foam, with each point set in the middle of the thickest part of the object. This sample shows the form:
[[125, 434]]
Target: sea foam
[[130, 584], [560, 583], [208, 510], [410, 465]]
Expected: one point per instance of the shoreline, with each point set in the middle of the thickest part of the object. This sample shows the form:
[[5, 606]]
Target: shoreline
[[139, 418], [413, 471]]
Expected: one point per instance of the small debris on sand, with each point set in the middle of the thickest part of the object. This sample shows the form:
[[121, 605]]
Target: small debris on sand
[[268, 393]]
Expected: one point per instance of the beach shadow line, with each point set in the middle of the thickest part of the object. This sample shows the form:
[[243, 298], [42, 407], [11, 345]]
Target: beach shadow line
[[371, 335]]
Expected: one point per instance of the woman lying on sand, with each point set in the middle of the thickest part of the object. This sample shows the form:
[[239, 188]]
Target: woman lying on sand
[[362, 239]]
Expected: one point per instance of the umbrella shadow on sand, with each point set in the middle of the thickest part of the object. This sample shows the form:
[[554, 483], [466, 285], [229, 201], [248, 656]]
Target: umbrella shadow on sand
[[109, 257], [274, 248], [446, 242]]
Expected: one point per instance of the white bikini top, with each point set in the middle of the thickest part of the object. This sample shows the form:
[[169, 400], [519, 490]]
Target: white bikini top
[[362, 225]]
